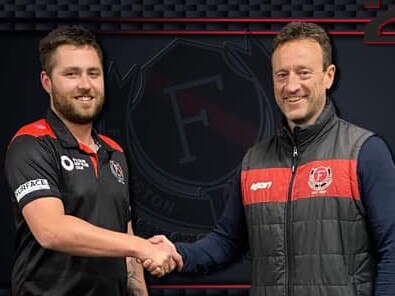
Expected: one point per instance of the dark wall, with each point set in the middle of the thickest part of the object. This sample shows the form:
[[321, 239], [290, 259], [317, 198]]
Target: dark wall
[[183, 172]]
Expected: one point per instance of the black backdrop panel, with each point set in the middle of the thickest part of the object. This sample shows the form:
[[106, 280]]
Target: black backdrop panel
[[186, 109], [186, 106]]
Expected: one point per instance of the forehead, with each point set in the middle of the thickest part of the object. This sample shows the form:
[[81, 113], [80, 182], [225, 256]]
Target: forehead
[[303, 52], [76, 56]]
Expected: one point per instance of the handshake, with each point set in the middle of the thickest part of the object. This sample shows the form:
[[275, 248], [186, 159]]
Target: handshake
[[161, 257]]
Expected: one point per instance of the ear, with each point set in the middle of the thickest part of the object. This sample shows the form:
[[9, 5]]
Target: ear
[[330, 76], [46, 82]]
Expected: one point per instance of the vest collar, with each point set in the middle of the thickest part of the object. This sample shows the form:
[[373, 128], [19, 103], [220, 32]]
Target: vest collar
[[303, 136]]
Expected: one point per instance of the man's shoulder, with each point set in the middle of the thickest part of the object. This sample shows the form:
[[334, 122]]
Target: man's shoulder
[[35, 129], [353, 126], [31, 146], [263, 147], [262, 144], [349, 131], [30, 138], [110, 142]]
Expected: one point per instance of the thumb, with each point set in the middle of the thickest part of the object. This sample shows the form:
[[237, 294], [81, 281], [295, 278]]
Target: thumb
[[156, 239]]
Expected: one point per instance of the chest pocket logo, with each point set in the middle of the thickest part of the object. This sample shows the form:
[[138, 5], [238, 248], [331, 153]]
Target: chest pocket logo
[[75, 163], [116, 170], [320, 178], [67, 163]]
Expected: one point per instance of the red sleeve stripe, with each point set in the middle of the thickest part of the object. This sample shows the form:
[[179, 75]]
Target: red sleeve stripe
[[334, 178], [111, 143], [38, 128]]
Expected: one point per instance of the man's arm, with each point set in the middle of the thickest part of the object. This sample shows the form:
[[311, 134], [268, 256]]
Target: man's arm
[[227, 241], [55, 230], [136, 285], [28, 160], [376, 173]]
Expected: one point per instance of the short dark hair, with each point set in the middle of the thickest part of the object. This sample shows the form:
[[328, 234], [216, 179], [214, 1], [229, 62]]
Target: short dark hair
[[301, 30], [65, 35]]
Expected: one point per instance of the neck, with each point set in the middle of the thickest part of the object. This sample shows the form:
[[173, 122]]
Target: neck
[[308, 122], [82, 132]]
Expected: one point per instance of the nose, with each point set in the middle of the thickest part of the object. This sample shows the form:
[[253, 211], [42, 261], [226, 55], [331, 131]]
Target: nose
[[84, 82], [292, 85]]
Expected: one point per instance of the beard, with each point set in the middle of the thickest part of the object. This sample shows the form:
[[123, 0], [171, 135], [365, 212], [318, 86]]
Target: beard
[[70, 110]]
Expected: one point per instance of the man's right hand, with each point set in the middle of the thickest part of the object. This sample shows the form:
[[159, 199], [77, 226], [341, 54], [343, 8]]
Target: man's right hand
[[174, 259]]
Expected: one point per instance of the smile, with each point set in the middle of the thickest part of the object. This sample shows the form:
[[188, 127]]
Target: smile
[[295, 99], [84, 98]]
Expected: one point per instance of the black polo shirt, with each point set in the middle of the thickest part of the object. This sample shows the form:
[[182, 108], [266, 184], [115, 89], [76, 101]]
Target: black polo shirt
[[44, 159]]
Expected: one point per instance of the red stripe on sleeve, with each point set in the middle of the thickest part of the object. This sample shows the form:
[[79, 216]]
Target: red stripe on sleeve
[[38, 128], [111, 143]]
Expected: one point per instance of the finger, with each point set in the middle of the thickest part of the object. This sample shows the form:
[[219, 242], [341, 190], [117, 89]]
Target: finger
[[157, 271], [152, 270], [156, 239], [168, 267], [178, 260], [172, 265], [149, 264]]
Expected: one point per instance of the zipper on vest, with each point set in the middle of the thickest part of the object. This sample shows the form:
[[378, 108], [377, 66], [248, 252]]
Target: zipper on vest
[[288, 221], [294, 159]]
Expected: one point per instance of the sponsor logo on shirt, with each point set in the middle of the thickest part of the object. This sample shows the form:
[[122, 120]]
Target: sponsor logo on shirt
[[116, 170], [261, 185], [31, 186], [70, 164]]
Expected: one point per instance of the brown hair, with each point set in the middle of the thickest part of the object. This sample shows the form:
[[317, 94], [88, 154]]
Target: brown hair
[[300, 30], [65, 35]]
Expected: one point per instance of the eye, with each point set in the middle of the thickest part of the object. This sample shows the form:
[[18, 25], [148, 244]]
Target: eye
[[305, 74], [71, 74], [94, 74], [280, 76]]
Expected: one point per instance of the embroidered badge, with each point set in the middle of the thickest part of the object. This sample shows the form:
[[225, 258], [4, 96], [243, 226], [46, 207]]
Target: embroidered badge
[[320, 178], [116, 170]]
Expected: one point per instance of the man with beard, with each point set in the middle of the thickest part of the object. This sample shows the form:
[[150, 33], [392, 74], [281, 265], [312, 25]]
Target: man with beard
[[69, 186]]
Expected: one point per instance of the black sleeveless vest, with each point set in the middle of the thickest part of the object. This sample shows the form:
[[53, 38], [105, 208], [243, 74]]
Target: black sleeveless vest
[[306, 222]]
